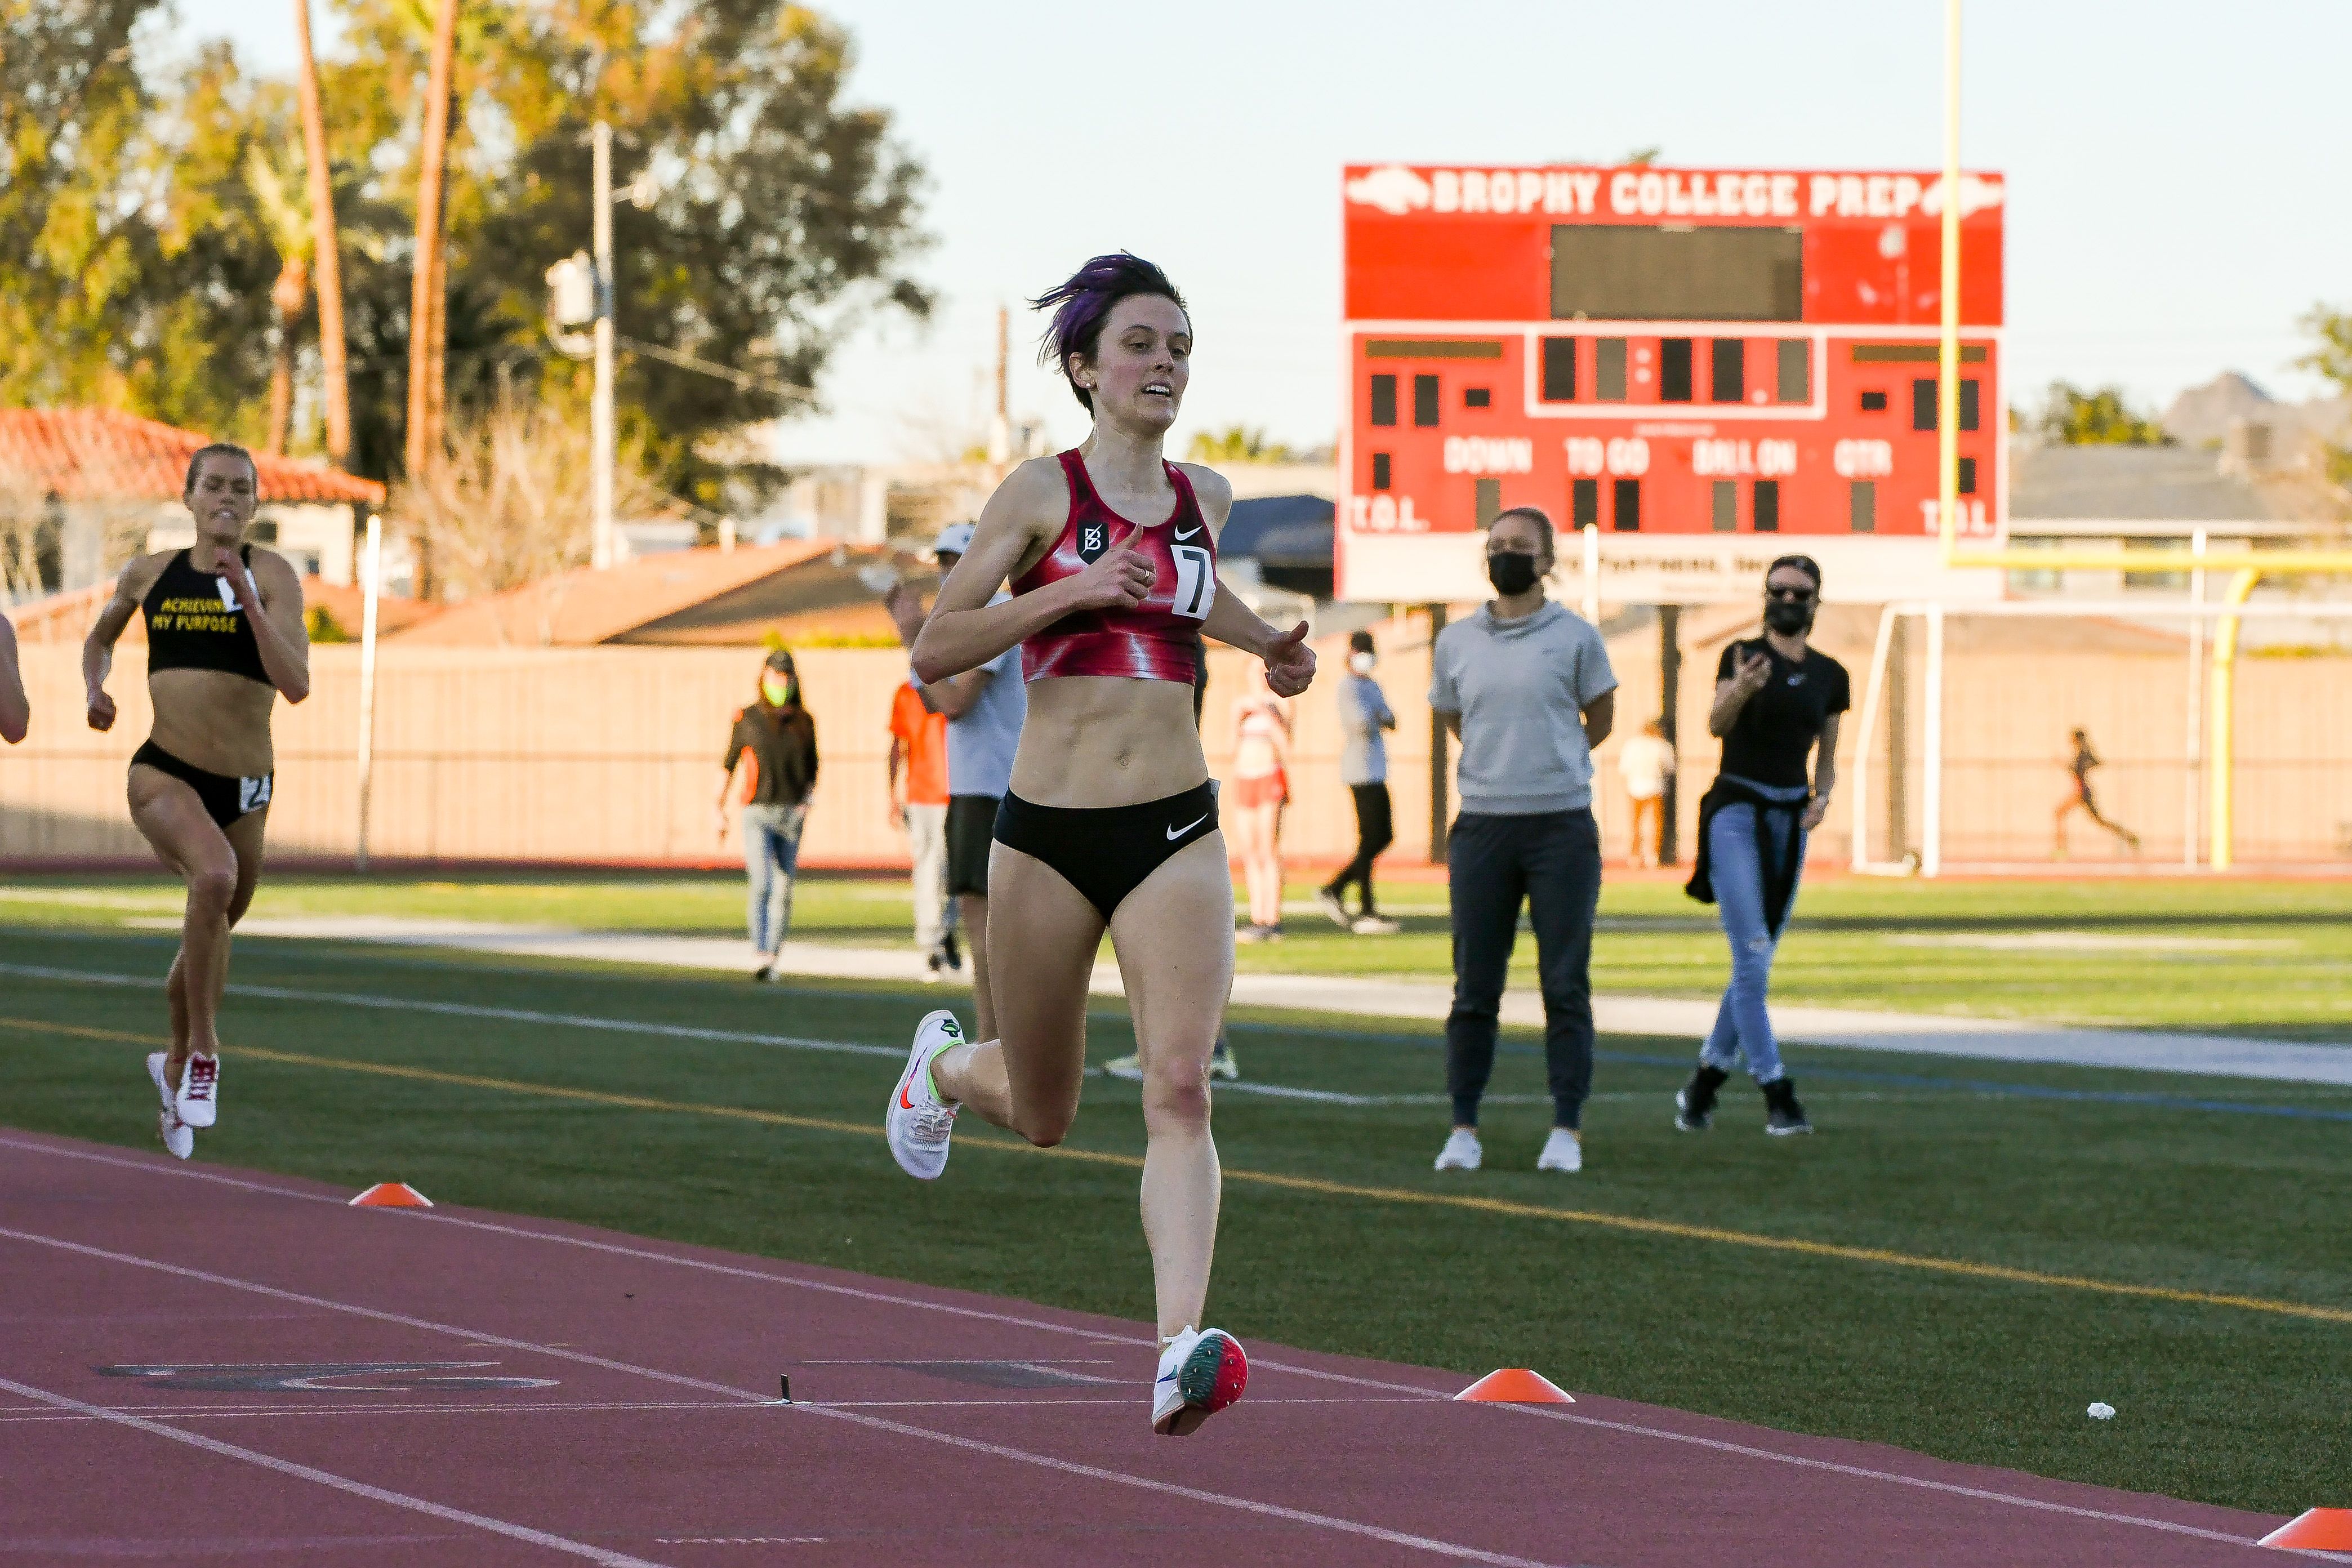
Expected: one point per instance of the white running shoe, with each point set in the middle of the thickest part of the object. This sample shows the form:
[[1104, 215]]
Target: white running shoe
[[919, 1121], [1563, 1151], [1201, 1371], [198, 1102], [1462, 1151], [179, 1138]]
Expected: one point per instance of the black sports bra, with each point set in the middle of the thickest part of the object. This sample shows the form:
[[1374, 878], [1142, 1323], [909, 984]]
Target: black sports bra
[[195, 621]]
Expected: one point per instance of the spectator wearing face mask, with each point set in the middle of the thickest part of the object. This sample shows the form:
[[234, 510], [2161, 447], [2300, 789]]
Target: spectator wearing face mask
[[1527, 686], [1364, 769], [770, 769], [1777, 702]]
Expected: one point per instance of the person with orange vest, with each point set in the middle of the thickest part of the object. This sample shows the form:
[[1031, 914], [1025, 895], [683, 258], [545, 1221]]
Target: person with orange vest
[[919, 808]]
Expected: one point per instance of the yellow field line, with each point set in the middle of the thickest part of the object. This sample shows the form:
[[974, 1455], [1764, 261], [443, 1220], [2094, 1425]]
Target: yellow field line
[[1505, 1207]]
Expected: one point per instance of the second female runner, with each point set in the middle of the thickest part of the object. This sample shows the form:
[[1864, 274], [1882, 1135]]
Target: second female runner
[[1112, 819]]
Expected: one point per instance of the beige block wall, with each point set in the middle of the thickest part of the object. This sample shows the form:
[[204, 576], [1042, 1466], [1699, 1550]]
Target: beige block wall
[[612, 754]]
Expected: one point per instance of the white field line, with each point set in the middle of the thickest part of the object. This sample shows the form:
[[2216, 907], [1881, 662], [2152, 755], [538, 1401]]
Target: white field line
[[339, 1483], [876, 1423], [435, 1216]]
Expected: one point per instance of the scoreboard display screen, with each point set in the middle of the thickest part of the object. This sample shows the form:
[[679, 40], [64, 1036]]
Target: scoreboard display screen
[[1682, 358]]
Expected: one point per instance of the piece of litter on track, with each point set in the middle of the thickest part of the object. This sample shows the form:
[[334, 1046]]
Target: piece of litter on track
[[2102, 1412]]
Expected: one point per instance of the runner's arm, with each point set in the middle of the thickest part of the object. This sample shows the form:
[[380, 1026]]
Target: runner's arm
[[278, 632], [965, 631], [97, 648]]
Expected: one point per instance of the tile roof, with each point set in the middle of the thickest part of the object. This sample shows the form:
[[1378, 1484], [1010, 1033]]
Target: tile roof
[[103, 454], [583, 607]]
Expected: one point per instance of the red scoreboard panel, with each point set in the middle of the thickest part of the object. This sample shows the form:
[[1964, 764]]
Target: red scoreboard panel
[[1685, 359]]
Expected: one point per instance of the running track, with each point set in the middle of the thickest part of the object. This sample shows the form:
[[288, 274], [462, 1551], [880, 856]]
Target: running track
[[209, 1366]]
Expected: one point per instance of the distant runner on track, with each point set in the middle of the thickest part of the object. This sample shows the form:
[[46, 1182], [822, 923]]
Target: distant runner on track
[[1112, 819], [225, 639]]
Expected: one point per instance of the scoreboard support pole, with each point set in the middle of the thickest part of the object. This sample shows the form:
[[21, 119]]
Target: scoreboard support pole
[[1438, 762], [1670, 691]]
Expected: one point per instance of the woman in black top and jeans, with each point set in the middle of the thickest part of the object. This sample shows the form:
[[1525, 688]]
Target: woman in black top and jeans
[[1775, 699]]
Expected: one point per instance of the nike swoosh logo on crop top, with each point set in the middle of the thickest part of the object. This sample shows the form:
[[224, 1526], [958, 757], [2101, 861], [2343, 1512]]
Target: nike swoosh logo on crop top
[[1176, 833], [1182, 534]]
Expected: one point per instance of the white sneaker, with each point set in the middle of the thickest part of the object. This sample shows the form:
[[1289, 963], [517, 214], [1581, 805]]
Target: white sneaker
[[1563, 1151], [179, 1138], [198, 1102], [1375, 925], [1129, 1067], [1461, 1151], [919, 1121], [1201, 1371]]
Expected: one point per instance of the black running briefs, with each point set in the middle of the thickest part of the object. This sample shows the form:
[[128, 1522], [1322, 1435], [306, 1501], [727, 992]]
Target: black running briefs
[[225, 799], [1106, 852]]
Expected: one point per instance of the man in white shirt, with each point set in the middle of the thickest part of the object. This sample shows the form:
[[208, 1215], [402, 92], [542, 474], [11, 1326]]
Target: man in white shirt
[[1646, 765]]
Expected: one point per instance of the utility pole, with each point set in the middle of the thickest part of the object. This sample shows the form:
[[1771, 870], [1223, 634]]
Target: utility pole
[[600, 418], [1000, 429]]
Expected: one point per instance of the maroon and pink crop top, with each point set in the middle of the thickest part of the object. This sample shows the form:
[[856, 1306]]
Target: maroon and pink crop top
[[1158, 639]]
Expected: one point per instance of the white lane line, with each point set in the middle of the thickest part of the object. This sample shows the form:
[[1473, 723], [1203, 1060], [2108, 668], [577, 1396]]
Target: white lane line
[[467, 1010], [1662, 1433], [237, 1413], [998, 1451], [339, 1483]]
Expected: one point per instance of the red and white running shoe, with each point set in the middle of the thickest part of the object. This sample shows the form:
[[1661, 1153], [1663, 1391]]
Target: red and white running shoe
[[919, 1121], [1201, 1371], [179, 1138], [199, 1098]]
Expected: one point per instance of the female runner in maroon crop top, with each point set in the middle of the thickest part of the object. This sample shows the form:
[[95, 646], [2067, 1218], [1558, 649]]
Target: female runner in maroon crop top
[[225, 641], [1112, 819]]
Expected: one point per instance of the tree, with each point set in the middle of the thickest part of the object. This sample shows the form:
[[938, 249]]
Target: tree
[[1237, 443], [2073, 418], [326, 246], [428, 291], [2331, 358], [287, 219]]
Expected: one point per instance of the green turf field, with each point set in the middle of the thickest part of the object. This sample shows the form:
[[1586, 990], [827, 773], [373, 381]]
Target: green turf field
[[2268, 959], [1982, 1249]]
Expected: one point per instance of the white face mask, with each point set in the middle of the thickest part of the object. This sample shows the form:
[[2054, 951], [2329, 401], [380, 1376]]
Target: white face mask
[[1362, 663]]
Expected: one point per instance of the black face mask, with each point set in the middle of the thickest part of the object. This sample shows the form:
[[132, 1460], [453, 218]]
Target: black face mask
[[1789, 618], [1513, 572]]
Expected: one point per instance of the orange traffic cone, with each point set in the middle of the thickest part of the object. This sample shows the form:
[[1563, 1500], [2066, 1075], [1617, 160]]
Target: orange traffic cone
[[392, 1195], [1515, 1385], [2317, 1530]]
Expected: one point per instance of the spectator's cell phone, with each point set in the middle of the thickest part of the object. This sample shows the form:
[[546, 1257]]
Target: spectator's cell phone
[[879, 576]]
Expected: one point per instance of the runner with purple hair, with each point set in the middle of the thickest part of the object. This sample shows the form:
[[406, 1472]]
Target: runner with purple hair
[[1111, 823]]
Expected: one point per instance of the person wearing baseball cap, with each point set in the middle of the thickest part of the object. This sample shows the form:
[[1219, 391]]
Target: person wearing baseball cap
[[985, 707]]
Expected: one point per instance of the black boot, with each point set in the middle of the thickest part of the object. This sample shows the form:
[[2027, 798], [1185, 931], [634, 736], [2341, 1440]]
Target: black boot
[[1782, 1115], [1695, 1101]]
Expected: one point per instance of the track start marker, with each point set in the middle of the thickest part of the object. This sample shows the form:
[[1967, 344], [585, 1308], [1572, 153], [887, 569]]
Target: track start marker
[[2316, 1529], [392, 1195], [1515, 1385]]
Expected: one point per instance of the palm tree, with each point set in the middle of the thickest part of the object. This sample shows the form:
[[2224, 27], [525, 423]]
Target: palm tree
[[289, 225], [429, 287], [325, 249]]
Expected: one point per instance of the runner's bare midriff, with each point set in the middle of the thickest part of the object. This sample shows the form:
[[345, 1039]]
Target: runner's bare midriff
[[214, 720], [1096, 739]]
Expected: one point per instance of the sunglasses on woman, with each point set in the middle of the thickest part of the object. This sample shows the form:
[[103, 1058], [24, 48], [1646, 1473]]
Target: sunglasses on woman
[[1791, 595]]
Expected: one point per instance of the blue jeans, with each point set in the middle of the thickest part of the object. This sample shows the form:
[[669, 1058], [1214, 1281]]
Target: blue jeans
[[771, 853], [1743, 1028]]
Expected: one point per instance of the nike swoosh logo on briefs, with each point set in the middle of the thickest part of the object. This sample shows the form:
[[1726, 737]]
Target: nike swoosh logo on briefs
[[1176, 833], [1180, 534]]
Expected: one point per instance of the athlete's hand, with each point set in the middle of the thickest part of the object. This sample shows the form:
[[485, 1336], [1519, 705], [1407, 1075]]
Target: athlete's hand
[[101, 709], [1289, 662], [1121, 578], [1749, 679]]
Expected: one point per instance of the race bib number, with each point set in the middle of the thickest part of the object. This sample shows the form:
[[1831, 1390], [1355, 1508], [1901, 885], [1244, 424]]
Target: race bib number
[[1196, 582], [252, 794]]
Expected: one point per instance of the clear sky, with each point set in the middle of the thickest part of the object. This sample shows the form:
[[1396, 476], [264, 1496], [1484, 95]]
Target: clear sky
[[2178, 171]]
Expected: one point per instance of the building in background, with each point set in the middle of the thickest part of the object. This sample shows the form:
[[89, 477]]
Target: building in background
[[84, 489]]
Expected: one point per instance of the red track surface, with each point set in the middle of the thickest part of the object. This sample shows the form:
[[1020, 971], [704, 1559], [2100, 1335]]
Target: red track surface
[[156, 1312]]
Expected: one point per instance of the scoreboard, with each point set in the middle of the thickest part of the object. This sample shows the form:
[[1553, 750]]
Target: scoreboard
[[1711, 367]]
